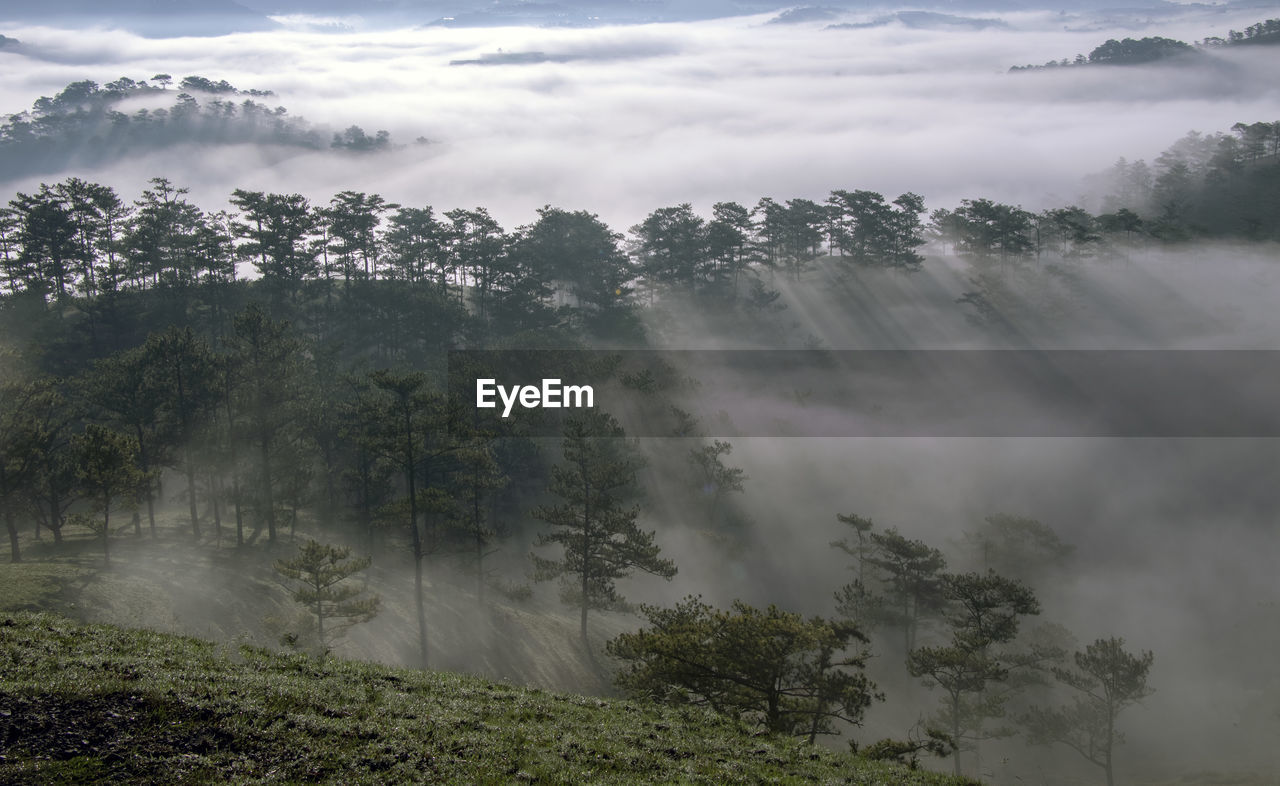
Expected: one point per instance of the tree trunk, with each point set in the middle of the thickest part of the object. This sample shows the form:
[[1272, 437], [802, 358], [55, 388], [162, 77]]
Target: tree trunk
[[145, 461], [191, 494], [365, 512], [411, 473], [106, 534], [235, 498], [906, 624], [475, 513], [420, 602], [330, 490], [1111, 737], [955, 733], [12, 525], [231, 450], [584, 607], [214, 493], [55, 520], [267, 499]]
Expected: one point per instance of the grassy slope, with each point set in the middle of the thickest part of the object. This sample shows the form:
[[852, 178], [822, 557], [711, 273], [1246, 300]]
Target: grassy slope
[[219, 593], [98, 702]]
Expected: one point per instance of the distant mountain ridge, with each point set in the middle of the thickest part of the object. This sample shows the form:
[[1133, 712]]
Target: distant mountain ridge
[[149, 17], [215, 17]]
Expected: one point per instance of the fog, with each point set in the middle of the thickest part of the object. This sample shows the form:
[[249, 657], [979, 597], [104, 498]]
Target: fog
[[1175, 538], [1176, 552], [651, 115]]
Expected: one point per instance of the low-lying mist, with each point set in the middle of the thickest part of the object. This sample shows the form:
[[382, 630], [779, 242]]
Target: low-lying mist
[[1174, 537], [1175, 552]]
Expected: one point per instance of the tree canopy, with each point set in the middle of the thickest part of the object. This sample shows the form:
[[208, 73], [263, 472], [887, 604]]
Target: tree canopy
[[766, 666]]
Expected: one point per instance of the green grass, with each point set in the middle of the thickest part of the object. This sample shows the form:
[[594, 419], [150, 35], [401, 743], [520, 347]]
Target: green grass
[[174, 585], [81, 703]]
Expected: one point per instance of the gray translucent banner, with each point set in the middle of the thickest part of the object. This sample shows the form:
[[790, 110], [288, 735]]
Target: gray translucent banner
[[885, 393]]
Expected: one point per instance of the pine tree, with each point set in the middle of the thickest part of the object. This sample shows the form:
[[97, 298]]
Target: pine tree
[[713, 478], [792, 675], [128, 389], [407, 421], [477, 477], [105, 464], [266, 360], [1106, 680], [910, 570], [318, 572], [983, 614], [857, 600], [593, 524], [183, 372], [19, 432]]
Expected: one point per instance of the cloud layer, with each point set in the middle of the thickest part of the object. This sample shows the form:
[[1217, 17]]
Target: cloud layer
[[639, 117]]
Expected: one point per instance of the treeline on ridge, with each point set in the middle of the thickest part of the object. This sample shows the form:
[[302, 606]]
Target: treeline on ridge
[[84, 124], [1151, 49], [81, 238]]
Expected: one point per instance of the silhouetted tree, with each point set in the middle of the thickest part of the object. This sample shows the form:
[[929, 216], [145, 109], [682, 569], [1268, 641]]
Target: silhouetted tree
[[911, 571], [713, 478], [990, 229], [265, 359], [792, 675], [594, 525], [183, 373], [318, 572], [983, 614], [858, 601], [20, 435], [1106, 680], [1017, 547], [671, 246], [408, 421], [105, 465]]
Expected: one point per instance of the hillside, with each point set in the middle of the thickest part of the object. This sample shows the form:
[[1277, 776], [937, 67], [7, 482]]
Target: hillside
[[84, 125], [82, 703], [231, 595]]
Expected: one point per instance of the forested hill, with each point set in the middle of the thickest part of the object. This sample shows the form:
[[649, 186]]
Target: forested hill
[[240, 381], [1153, 49], [88, 124]]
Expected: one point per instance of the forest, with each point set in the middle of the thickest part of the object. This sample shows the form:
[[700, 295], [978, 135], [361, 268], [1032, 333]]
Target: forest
[[266, 385], [1151, 49], [87, 123]]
